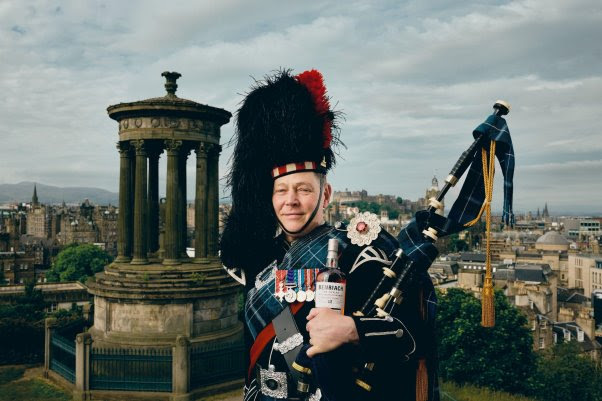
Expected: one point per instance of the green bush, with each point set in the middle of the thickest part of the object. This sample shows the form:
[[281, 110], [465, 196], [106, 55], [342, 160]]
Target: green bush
[[563, 373], [22, 327], [77, 262], [500, 358]]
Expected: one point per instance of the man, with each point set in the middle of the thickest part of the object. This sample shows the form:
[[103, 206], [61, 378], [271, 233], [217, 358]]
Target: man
[[276, 234]]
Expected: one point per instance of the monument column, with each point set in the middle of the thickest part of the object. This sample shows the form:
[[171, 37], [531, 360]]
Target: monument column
[[140, 205], [213, 200], [171, 208], [124, 222], [183, 205], [200, 205], [153, 199]]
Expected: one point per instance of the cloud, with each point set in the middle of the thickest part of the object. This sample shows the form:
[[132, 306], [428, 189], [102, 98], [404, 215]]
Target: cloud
[[413, 78]]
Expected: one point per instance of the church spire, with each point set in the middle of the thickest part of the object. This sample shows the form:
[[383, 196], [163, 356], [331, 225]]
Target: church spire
[[34, 198], [545, 211], [435, 182]]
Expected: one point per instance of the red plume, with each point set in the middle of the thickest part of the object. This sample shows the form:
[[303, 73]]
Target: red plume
[[314, 82]]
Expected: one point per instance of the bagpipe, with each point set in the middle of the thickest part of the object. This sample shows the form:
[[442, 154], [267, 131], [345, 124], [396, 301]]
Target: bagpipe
[[417, 252]]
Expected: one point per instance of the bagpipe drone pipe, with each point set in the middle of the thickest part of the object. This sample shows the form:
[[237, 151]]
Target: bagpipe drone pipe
[[417, 251]]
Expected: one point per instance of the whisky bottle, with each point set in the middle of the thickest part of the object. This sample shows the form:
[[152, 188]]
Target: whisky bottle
[[331, 282]]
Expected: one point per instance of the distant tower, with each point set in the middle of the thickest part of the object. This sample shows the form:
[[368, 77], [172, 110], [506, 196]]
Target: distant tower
[[34, 198], [435, 183], [545, 213], [432, 192], [538, 214]]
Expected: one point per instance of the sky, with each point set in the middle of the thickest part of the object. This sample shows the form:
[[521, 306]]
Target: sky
[[413, 79]]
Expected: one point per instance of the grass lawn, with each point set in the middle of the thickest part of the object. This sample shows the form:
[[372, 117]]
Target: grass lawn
[[452, 392], [13, 387]]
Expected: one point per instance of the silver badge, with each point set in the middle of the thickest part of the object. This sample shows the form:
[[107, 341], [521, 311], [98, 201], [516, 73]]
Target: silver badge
[[273, 384], [290, 343], [301, 296], [309, 295]]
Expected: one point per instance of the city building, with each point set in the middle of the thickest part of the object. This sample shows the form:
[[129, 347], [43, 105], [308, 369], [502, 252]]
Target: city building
[[550, 248], [529, 286], [581, 228], [56, 295], [38, 218], [18, 267], [585, 271], [471, 270], [443, 271], [547, 333]]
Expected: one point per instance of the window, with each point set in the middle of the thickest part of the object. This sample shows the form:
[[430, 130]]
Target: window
[[542, 343]]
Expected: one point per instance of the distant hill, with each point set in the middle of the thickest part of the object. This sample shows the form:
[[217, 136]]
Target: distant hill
[[48, 194]]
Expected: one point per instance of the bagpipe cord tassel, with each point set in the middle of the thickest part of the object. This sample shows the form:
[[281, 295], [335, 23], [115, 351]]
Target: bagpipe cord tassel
[[488, 310], [422, 381]]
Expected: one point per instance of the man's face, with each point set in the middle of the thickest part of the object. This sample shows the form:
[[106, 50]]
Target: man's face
[[294, 199]]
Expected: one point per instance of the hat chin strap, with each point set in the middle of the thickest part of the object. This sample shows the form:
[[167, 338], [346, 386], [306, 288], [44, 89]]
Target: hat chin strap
[[313, 214]]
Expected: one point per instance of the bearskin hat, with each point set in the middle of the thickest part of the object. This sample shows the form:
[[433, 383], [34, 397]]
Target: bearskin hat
[[284, 120]]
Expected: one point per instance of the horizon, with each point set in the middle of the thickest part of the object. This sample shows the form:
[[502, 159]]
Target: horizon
[[226, 200]]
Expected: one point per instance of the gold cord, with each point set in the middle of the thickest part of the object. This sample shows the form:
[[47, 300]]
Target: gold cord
[[488, 310]]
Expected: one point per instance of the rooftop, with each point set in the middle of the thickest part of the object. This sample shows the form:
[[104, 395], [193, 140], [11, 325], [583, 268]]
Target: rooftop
[[552, 238]]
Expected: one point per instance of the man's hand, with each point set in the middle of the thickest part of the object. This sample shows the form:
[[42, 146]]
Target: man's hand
[[328, 330]]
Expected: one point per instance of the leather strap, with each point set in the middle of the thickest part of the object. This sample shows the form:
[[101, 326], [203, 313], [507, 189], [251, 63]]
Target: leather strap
[[263, 339], [286, 327]]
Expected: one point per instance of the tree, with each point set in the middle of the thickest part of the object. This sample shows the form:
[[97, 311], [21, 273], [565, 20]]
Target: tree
[[22, 327], [456, 244], [500, 358], [399, 200], [78, 262], [563, 373]]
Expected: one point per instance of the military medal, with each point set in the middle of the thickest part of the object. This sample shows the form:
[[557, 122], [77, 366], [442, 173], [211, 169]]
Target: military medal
[[301, 285], [309, 279], [280, 278], [280, 293], [291, 294]]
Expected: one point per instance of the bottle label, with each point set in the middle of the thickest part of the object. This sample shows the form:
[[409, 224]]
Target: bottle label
[[330, 295]]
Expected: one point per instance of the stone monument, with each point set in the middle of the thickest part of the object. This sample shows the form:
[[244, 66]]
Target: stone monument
[[154, 294]]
